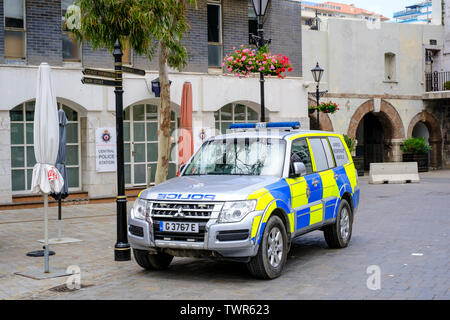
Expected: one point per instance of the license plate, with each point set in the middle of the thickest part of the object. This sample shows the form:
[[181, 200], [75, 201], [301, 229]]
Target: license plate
[[186, 227]]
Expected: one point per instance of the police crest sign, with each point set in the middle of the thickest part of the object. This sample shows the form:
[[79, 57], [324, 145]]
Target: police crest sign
[[106, 154]]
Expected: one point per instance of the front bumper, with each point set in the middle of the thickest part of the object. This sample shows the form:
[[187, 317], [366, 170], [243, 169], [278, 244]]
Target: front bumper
[[226, 239]]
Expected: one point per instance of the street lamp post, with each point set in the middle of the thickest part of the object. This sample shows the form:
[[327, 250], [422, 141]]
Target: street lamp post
[[122, 250], [317, 73], [260, 7]]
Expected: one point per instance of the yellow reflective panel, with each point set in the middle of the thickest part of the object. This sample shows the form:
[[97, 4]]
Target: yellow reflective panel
[[316, 214], [255, 226], [330, 187], [272, 207], [351, 174], [292, 221], [257, 194], [264, 201], [298, 192]]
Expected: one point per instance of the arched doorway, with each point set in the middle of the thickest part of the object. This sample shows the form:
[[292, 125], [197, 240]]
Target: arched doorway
[[22, 146], [324, 118], [140, 132], [424, 124], [379, 133]]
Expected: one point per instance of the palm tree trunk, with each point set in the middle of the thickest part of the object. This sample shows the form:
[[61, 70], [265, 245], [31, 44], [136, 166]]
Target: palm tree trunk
[[164, 140]]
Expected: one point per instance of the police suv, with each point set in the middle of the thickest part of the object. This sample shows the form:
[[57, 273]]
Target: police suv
[[246, 195]]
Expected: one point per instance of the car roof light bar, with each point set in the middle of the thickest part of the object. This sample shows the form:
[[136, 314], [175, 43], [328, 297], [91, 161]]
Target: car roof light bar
[[292, 124]]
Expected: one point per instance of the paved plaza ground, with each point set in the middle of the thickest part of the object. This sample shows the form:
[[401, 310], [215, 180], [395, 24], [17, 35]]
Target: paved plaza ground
[[402, 229]]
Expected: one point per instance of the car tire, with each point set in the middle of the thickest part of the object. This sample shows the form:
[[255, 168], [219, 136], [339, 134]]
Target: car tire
[[338, 234], [272, 252], [159, 261]]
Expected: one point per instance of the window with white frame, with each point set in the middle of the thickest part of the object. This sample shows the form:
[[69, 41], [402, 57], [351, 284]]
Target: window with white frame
[[70, 46], [22, 147], [140, 131], [214, 33], [234, 113], [14, 22]]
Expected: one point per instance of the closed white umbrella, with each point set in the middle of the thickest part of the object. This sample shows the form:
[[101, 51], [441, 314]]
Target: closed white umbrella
[[46, 178]]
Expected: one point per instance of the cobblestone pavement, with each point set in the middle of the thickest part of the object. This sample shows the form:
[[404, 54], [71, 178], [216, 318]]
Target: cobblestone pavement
[[403, 229]]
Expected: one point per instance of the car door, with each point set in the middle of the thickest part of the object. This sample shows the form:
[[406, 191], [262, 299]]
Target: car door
[[330, 181], [305, 191]]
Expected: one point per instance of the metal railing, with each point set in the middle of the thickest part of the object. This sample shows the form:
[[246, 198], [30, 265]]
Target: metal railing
[[437, 81]]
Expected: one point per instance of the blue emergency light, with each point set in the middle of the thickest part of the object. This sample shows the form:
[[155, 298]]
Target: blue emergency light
[[293, 125]]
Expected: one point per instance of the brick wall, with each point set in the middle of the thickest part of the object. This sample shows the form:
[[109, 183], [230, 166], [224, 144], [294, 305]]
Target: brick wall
[[44, 38], [196, 40], [99, 58], [283, 25], [234, 24], [2, 33]]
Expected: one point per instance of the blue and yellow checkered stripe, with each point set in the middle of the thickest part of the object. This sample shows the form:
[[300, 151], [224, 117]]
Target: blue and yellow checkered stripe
[[290, 195]]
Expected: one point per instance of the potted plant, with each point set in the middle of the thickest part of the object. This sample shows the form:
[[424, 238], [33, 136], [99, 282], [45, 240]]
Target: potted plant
[[416, 150], [311, 109], [244, 61], [328, 107], [358, 161]]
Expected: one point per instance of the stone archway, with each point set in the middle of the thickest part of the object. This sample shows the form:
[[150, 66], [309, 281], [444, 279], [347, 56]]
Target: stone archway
[[324, 118], [391, 123], [435, 138]]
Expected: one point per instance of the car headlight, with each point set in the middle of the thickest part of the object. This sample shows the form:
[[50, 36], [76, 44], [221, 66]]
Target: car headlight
[[236, 211], [141, 209]]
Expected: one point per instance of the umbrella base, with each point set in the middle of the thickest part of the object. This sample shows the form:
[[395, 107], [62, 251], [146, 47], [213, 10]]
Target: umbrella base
[[40, 253], [38, 274], [60, 241]]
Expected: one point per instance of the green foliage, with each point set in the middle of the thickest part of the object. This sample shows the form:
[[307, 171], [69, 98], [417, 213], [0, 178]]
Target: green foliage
[[328, 107], [447, 85], [415, 145], [144, 23], [350, 143]]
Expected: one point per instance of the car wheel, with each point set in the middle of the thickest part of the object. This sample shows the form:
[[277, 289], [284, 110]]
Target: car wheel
[[159, 261], [338, 235], [271, 257]]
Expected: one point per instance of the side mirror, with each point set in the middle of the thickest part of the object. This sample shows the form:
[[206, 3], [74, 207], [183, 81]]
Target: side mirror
[[299, 169]]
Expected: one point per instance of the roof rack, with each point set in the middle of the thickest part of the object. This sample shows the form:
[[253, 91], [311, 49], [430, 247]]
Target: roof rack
[[264, 125]]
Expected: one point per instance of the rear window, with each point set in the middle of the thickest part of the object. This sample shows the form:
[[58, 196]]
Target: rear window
[[340, 154]]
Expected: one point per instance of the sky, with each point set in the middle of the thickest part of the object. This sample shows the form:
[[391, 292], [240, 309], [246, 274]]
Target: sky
[[385, 7]]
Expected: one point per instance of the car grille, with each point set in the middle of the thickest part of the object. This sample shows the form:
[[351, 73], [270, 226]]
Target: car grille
[[194, 210]]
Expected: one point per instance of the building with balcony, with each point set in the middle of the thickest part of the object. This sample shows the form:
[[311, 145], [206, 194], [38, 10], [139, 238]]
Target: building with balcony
[[313, 12], [419, 13], [376, 73], [31, 32]]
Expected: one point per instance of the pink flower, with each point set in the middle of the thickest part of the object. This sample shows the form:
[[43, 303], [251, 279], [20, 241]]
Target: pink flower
[[272, 67], [249, 62], [243, 58], [230, 58]]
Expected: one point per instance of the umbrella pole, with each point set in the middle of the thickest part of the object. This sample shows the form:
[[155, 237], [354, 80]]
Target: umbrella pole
[[46, 262], [59, 218]]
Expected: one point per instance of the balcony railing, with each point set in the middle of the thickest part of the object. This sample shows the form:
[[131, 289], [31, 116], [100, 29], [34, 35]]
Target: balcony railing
[[437, 81]]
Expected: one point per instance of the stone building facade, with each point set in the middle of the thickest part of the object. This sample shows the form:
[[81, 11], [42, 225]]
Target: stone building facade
[[31, 32], [376, 73]]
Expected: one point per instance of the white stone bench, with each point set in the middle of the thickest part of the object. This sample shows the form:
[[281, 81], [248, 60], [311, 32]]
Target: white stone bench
[[393, 172]]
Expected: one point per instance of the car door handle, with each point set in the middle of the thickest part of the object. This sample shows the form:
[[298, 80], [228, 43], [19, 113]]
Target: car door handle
[[315, 182], [336, 176]]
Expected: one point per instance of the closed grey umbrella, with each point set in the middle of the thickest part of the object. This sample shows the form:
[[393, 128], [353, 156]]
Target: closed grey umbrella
[[61, 165]]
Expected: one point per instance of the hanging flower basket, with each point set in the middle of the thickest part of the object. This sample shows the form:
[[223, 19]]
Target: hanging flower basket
[[328, 107], [311, 109], [244, 61]]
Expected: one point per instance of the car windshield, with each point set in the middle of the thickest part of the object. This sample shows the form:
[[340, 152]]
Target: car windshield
[[239, 156]]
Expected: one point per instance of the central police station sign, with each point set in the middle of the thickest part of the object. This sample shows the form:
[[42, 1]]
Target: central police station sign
[[105, 149]]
